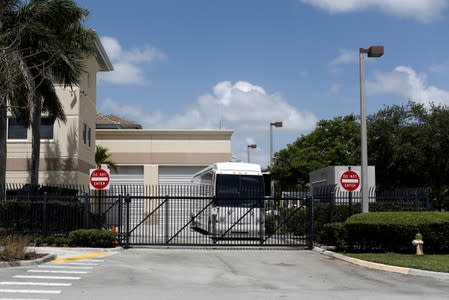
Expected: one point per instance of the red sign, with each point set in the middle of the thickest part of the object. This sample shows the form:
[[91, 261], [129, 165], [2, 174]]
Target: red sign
[[99, 179], [350, 181]]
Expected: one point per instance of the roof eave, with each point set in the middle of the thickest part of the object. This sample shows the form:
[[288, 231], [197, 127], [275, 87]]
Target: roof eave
[[102, 57]]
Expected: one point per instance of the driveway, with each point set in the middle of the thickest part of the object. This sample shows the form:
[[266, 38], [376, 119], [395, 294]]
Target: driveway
[[183, 274]]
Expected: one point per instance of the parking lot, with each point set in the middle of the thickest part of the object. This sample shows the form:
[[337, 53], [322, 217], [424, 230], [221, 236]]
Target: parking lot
[[228, 274]]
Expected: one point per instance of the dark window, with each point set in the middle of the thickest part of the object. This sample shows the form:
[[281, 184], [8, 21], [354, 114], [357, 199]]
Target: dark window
[[17, 130], [84, 133], [47, 132], [89, 136], [239, 190]]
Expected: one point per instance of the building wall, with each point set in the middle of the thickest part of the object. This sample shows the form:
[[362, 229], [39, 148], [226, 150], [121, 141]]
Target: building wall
[[155, 148], [65, 159]]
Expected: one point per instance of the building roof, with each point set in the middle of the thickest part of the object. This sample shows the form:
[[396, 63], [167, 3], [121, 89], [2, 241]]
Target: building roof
[[101, 55], [115, 122]]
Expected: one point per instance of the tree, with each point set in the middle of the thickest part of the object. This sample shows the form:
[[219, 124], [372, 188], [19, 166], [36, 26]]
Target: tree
[[102, 157], [333, 142], [52, 46]]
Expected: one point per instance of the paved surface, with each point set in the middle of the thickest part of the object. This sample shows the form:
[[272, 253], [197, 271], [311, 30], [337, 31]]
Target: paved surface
[[213, 274]]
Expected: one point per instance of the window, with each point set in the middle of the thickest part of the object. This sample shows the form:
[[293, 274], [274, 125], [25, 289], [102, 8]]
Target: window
[[89, 136], [47, 132], [17, 130], [84, 133]]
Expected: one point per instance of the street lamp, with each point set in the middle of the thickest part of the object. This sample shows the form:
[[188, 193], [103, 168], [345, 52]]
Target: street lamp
[[251, 146], [373, 51], [275, 124]]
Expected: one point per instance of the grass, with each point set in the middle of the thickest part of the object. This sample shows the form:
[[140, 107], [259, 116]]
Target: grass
[[433, 262]]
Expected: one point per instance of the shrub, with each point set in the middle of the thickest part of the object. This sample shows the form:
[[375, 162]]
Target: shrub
[[394, 231], [13, 247], [92, 238], [3, 232], [333, 234]]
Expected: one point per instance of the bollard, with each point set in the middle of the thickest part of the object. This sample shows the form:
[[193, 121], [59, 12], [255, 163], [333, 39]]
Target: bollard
[[419, 244]]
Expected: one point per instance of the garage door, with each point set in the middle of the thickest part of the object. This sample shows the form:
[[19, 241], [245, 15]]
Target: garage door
[[129, 178], [175, 181], [177, 175]]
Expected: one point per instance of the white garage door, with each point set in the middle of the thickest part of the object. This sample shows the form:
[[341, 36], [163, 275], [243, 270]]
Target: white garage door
[[130, 177], [177, 175]]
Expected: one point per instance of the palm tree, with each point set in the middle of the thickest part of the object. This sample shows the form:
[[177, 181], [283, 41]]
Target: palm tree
[[52, 46], [102, 156]]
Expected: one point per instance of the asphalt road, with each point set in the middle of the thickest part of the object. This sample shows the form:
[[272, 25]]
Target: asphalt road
[[222, 274]]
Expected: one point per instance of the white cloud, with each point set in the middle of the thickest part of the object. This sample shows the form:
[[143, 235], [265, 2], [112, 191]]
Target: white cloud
[[128, 63], [243, 107], [240, 106], [345, 57], [406, 82], [422, 10]]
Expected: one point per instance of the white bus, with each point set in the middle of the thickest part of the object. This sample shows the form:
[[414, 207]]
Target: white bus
[[237, 208]]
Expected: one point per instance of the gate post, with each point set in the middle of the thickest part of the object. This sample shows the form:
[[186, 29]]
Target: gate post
[[86, 210], [310, 221], [120, 219], [167, 235], [127, 200], [262, 220], [330, 216]]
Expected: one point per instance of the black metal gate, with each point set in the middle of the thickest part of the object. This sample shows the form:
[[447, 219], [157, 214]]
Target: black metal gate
[[183, 217]]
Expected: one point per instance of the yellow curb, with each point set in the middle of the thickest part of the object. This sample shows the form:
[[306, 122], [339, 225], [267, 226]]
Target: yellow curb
[[82, 256]]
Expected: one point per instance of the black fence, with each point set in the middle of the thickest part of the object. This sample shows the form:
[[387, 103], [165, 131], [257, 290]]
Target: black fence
[[190, 215]]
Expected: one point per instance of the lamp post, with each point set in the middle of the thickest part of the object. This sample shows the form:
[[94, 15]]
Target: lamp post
[[373, 51], [275, 124], [251, 146]]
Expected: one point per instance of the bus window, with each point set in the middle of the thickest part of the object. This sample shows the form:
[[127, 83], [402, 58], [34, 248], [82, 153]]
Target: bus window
[[239, 190]]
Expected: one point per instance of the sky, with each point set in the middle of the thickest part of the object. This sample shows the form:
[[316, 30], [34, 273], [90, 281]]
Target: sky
[[242, 64]]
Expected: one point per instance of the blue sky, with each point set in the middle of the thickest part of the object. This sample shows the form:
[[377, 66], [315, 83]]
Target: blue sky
[[241, 64]]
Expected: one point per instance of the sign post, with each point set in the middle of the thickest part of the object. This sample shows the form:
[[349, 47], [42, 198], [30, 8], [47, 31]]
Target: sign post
[[350, 181], [99, 179]]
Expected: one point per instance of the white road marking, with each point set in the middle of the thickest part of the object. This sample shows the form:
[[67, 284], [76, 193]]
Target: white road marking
[[34, 283], [91, 260], [47, 277], [30, 291], [65, 267], [74, 264], [22, 299], [57, 271]]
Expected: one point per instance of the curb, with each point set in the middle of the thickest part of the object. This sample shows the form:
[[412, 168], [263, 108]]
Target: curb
[[382, 267], [32, 262]]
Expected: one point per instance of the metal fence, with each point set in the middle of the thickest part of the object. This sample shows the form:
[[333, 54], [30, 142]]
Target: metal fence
[[189, 215], [161, 215]]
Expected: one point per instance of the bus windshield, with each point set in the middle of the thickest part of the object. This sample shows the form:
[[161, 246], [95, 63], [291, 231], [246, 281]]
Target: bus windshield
[[239, 190]]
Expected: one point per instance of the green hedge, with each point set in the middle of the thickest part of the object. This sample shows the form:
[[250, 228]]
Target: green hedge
[[334, 234], [394, 231], [92, 238]]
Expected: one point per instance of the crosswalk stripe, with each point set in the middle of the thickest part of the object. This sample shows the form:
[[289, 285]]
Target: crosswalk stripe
[[57, 271], [30, 291], [47, 277], [34, 283], [22, 299], [65, 267], [75, 264]]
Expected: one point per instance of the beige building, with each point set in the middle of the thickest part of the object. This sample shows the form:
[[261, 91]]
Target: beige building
[[67, 149], [153, 157], [143, 156]]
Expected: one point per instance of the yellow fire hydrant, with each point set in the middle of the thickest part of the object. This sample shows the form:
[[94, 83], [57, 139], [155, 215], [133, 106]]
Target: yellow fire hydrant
[[419, 244]]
